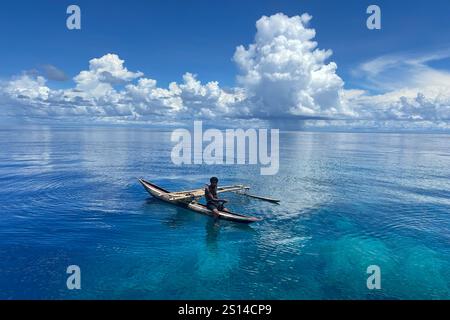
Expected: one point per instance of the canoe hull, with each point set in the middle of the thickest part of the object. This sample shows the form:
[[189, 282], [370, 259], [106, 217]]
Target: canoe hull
[[163, 194]]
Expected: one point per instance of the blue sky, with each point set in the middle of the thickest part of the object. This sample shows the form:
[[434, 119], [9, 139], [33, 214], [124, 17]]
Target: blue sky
[[166, 39]]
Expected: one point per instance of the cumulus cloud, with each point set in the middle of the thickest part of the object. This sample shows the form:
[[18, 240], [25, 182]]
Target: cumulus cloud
[[184, 100], [95, 95], [27, 87], [103, 73], [282, 74]]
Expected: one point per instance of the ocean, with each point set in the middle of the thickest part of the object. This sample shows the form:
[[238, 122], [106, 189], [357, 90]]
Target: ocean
[[70, 196]]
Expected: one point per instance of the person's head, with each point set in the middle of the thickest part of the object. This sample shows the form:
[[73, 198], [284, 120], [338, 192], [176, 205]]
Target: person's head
[[214, 181]]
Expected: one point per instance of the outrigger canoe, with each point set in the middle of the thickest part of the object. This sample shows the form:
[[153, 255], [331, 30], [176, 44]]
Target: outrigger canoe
[[188, 200]]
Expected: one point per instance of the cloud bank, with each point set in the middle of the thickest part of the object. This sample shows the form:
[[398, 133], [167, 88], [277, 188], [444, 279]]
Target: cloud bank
[[283, 74]]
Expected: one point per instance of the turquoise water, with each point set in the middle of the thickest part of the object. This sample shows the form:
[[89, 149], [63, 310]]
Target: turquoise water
[[350, 200]]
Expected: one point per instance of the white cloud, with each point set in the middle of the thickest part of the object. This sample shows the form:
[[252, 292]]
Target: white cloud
[[28, 87], [188, 99], [411, 89], [109, 69], [103, 73], [283, 74]]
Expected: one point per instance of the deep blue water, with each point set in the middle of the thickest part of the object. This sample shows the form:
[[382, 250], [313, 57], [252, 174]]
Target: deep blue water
[[350, 200]]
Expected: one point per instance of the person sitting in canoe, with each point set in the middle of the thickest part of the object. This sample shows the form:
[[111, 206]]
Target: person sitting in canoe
[[212, 201]]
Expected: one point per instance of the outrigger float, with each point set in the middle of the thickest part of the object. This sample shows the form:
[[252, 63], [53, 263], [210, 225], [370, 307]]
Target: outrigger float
[[189, 199]]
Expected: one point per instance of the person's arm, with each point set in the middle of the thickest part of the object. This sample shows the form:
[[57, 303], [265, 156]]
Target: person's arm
[[209, 195], [219, 200]]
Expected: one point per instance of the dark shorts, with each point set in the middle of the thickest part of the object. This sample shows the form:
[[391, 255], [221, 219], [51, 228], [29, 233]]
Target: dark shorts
[[214, 205]]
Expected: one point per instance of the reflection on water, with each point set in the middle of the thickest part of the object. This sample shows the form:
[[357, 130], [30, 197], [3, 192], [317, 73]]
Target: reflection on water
[[70, 196], [212, 233]]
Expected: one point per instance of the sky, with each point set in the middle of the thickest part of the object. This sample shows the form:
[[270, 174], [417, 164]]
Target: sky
[[312, 62]]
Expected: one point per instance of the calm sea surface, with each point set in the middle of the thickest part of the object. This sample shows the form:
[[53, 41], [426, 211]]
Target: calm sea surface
[[70, 196]]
